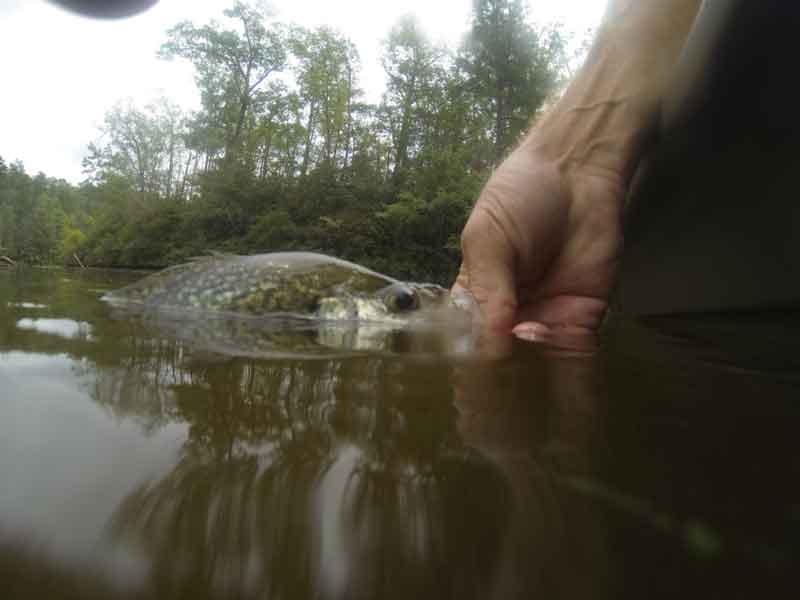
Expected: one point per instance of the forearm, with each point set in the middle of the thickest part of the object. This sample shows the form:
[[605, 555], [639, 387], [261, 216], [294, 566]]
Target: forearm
[[612, 104]]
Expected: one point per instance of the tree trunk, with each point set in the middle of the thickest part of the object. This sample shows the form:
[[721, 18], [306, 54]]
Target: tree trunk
[[498, 125], [403, 138], [265, 156], [309, 138], [171, 168], [230, 152], [348, 132]]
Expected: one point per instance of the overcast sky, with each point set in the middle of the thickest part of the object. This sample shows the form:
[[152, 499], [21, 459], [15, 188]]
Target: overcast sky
[[61, 72]]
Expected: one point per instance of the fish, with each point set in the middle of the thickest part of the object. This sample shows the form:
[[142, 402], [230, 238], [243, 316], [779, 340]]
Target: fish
[[303, 285]]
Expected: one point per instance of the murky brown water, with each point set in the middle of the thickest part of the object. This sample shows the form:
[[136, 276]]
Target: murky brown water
[[161, 460]]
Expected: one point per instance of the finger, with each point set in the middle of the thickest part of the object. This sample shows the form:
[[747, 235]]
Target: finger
[[487, 271], [583, 312]]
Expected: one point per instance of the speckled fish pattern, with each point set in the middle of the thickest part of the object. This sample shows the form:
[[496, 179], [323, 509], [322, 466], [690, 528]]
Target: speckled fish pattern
[[288, 283]]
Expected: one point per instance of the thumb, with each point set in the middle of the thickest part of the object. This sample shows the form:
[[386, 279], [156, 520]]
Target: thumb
[[487, 271]]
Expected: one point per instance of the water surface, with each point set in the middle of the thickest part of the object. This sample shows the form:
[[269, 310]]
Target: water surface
[[145, 459]]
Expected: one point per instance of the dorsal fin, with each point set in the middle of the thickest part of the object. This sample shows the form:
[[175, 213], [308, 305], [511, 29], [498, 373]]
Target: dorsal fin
[[211, 255]]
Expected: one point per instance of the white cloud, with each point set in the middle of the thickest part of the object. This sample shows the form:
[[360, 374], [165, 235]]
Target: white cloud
[[62, 72]]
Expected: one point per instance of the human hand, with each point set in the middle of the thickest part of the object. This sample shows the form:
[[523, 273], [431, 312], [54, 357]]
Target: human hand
[[541, 245]]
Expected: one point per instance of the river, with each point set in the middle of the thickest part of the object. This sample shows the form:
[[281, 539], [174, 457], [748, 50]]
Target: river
[[137, 461]]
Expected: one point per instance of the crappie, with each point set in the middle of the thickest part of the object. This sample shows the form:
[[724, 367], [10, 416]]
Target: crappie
[[297, 284]]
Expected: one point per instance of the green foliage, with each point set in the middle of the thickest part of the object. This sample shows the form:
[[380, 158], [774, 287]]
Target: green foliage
[[284, 154], [142, 147], [231, 65], [71, 242], [272, 232], [512, 67], [33, 211], [325, 72], [413, 67]]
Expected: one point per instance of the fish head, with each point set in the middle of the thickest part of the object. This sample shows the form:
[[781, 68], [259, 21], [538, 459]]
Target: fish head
[[397, 303]]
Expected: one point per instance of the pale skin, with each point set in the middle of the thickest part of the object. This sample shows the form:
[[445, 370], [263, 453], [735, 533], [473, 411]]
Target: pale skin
[[541, 246]]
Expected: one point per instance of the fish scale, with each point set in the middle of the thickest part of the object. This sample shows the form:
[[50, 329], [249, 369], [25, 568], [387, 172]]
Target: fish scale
[[298, 283]]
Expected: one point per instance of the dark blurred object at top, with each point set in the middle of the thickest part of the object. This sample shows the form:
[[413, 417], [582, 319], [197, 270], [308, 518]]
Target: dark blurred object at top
[[713, 220], [106, 9]]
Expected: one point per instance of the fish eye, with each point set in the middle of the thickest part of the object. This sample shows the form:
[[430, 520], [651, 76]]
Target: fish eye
[[402, 299]]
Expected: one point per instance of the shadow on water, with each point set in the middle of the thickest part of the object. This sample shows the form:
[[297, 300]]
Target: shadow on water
[[158, 473]]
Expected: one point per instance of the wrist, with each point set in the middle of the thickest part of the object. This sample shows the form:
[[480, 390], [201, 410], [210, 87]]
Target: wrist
[[604, 137], [601, 122], [611, 108]]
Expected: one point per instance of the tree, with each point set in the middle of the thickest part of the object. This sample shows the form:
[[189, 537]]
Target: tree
[[512, 67], [276, 158], [410, 62], [231, 64], [144, 147], [31, 215], [326, 78]]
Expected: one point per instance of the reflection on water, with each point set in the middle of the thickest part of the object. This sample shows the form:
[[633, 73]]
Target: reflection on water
[[221, 336], [26, 305], [66, 328], [298, 479], [133, 464]]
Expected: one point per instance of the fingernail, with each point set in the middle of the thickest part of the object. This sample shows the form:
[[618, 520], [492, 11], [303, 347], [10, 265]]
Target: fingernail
[[532, 332]]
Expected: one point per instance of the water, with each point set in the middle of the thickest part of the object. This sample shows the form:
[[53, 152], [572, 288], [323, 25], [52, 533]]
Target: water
[[141, 460]]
